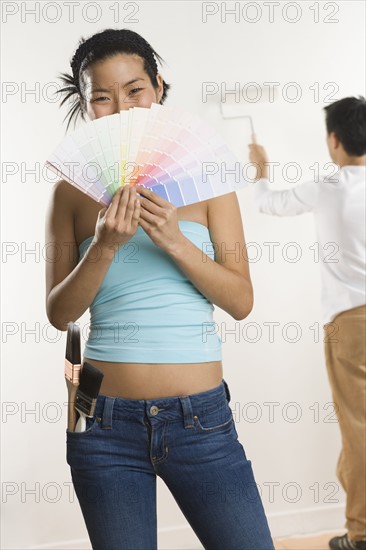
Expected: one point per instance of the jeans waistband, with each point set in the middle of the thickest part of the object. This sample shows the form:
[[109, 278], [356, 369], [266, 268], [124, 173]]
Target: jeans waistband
[[165, 408]]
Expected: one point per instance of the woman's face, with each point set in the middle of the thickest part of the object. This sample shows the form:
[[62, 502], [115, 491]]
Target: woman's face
[[117, 84]]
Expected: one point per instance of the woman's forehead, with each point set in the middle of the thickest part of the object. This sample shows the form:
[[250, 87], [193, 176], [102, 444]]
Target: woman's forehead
[[121, 68]]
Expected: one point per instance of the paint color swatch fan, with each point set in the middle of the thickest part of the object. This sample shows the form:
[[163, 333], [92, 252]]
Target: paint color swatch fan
[[166, 149]]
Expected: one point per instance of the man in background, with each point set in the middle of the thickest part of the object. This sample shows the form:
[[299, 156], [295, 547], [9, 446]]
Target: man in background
[[338, 205]]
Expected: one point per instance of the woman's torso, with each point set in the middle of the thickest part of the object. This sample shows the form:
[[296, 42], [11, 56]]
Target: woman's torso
[[147, 380]]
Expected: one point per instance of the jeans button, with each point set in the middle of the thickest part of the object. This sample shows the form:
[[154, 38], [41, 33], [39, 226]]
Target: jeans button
[[154, 410]]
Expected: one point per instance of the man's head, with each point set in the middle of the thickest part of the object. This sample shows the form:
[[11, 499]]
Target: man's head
[[346, 130]]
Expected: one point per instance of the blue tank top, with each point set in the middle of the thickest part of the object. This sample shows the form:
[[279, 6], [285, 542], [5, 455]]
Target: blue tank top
[[146, 309]]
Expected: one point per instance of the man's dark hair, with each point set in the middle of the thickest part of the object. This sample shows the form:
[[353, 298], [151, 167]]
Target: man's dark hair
[[347, 119]]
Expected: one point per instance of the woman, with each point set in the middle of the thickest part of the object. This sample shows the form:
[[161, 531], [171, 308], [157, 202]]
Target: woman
[[150, 282]]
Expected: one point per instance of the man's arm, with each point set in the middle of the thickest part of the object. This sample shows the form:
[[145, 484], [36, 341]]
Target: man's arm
[[289, 202]]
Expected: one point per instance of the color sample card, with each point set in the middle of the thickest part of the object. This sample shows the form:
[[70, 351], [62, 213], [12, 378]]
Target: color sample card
[[166, 149]]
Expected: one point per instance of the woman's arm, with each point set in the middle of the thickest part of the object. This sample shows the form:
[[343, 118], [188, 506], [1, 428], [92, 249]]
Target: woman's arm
[[225, 281], [71, 286]]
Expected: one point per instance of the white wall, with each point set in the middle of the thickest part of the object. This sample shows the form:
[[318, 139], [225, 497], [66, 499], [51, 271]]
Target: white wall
[[293, 455]]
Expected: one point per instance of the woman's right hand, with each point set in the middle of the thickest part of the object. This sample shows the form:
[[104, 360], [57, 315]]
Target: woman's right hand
[[118, 223]]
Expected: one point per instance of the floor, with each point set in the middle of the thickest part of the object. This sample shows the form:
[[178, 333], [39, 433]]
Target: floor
[[314, 542]]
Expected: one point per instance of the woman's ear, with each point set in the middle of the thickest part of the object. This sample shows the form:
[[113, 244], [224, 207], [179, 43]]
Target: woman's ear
[[160, 89], [81, 104]]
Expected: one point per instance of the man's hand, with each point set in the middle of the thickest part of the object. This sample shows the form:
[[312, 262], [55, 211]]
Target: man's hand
[[258, 157]]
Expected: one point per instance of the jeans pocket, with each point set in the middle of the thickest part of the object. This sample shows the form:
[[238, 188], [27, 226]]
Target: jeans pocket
[[91, 425], [214, 420]]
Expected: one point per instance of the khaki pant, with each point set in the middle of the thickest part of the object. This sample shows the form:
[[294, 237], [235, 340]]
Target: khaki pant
[[344, 340]]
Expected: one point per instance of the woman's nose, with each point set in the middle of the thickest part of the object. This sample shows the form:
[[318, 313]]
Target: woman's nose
[[124, 103]]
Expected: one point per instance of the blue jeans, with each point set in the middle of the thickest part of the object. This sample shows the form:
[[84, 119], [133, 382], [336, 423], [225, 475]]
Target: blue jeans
[[190, 442]]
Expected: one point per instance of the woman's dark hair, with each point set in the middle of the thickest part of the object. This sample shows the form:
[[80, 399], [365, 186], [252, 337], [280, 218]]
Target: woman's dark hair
[[101, 46], [347, 119]]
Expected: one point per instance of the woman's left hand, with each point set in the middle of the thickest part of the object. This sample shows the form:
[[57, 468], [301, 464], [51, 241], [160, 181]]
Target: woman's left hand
[[159, 219]]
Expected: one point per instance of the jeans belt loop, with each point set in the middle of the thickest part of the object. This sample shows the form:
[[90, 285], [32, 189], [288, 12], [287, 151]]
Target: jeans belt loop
[[107, 413], [227, 391], [187, 411]]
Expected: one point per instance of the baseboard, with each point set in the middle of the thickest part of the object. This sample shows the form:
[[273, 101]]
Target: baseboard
[[74, 544], [305, 522]]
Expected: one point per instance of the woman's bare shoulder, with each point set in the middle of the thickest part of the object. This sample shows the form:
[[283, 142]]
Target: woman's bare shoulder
[[74, 210], [60, 215], [224, 212], [65, 195]]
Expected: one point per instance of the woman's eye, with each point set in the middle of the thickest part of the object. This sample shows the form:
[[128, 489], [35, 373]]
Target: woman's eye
[[132, 92], [102, 97], [135, 90]]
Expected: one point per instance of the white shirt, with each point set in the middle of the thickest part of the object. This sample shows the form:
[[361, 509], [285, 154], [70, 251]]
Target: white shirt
[[338, 205]]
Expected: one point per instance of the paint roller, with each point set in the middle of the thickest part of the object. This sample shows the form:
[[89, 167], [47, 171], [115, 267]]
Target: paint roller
[[249, 95], [222, 109]]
